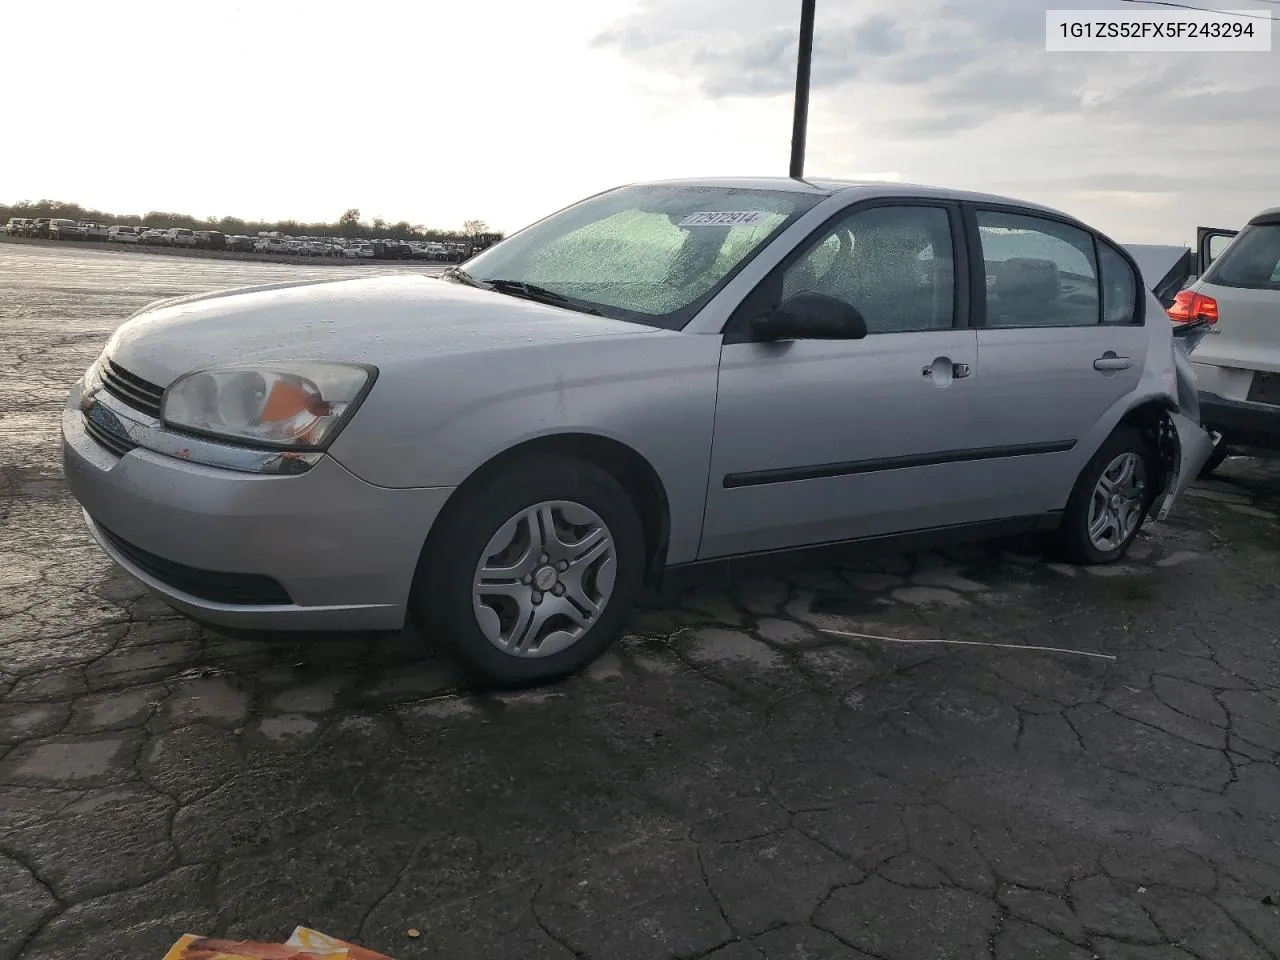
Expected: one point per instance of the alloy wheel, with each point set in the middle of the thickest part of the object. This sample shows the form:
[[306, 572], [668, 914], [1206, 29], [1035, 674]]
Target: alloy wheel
[[1115, 509]]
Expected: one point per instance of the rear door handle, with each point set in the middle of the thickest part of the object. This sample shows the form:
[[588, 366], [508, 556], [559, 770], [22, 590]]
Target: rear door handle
[[1109, 361]]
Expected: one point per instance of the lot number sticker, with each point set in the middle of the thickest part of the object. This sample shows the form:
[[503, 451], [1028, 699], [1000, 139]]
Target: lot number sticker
[[726, 218]]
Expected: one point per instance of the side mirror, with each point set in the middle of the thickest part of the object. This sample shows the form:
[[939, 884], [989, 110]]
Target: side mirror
[[810, 316]]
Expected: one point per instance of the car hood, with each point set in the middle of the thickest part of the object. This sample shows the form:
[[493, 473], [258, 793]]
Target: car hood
[[369, 320]]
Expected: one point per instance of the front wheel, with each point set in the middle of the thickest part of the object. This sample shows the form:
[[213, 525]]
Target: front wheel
[[530, 576], [1111, 499]]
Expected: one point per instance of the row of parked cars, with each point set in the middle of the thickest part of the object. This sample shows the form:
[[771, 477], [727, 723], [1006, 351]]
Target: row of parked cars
[[359, 249], [54, 228]]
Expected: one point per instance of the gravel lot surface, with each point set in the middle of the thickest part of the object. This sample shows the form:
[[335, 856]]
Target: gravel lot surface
[[739, 779]]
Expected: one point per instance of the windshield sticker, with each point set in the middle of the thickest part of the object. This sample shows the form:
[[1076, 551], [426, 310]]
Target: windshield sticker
[[726, 218]]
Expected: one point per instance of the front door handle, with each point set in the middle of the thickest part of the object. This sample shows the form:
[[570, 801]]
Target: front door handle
[[958, 370], [1109, 361]]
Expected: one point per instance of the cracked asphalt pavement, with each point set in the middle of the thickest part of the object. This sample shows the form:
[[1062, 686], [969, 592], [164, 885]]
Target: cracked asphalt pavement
[[789, 768]]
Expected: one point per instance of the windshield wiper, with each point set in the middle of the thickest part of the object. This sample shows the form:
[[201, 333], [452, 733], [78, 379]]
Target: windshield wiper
[[461, 276], [530, 291]]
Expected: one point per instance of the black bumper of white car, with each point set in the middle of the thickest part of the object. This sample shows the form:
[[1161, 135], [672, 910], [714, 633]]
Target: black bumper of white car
[[1242, 424]]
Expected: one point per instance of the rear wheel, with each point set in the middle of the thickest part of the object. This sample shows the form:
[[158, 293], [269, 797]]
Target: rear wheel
[[1111, 499], [530, 576], [1220, 454]]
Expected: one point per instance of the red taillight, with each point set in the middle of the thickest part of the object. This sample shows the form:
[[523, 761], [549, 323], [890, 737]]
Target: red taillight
[[1189, 306]]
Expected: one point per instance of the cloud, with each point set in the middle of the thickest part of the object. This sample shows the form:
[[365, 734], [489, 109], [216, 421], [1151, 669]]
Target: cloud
[[762, 65], [963, 92]]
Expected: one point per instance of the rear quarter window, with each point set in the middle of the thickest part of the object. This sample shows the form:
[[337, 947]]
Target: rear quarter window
[[1120, 286], [1252, 260]]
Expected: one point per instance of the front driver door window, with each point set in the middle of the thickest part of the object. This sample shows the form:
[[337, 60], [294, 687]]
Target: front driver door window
[[894, 264]]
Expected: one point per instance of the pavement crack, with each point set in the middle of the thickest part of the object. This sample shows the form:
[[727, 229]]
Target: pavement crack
[[1159, 729], [857, 948], [706, 882], [27, 865], [546, 929], [219, 908], [711, 678], [391, 888], [1227, 751]]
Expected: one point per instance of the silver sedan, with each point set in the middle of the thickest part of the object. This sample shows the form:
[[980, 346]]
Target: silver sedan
[[660, 378]]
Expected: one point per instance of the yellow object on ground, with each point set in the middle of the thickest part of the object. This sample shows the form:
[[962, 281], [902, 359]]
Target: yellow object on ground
[[304, 944]]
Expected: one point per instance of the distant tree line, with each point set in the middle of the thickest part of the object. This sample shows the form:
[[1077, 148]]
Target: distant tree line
[[350, 224]]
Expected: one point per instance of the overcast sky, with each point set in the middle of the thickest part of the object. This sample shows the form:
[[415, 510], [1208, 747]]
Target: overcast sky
[[504, 110]]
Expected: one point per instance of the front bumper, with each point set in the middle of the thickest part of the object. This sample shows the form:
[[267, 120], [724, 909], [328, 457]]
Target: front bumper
[[1242, 422], [320, 550]]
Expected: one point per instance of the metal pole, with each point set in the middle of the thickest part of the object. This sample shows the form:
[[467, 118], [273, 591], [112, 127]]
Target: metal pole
[[801, 119]]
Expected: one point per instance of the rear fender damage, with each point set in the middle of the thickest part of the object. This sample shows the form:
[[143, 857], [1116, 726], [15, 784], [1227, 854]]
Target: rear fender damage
[[1184, 447]]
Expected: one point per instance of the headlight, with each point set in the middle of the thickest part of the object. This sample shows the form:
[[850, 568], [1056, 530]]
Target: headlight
[[288, 404], [93, 377]]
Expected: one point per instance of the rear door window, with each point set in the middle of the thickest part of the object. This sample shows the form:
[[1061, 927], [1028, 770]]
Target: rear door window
[[1039, 272], [1252, 260]]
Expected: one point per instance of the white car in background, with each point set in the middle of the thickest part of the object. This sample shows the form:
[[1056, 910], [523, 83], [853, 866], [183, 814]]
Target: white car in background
[[270, 245], [180, 237], [123, 234], [95, 231], [1238, 365], [362, 251]]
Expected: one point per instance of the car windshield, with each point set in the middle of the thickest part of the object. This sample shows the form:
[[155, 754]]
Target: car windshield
[[1251, 260], [652, 254]]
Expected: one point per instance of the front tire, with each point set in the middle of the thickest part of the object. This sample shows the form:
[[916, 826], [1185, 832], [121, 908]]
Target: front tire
[[531, 574], [1110, 500]]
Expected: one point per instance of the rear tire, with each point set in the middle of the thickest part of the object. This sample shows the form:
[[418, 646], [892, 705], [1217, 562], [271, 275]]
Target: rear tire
[[537, 613], [1110, 500], [1220, 454]]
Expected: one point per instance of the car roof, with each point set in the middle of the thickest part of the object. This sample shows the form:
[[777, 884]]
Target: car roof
[[1267, 217], [866, 188]]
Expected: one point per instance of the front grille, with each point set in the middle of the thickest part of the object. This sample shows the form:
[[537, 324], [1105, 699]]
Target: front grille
[[130, 389], [116, 444], [211, 585]]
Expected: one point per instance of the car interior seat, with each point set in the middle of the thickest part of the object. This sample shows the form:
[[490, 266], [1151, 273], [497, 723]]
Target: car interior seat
[[889, 285], [1024, 293]]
